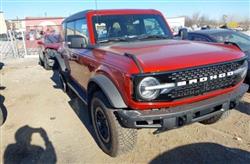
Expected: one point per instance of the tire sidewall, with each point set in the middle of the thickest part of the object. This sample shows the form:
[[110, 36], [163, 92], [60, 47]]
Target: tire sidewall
[[1, 117], [41, 61], [111, 146], [46, 65]]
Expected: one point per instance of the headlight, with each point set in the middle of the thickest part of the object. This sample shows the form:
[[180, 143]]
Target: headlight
[[148, 94], [243, 70]]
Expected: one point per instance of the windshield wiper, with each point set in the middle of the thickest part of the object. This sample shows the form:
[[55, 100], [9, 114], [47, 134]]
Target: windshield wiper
[[134, 37], [142, 37], [118, 39]]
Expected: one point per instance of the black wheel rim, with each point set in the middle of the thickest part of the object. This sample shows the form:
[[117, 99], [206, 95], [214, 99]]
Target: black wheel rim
[[102, 125]]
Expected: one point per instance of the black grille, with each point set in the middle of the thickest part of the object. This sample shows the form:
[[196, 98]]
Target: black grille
[[199, 88]]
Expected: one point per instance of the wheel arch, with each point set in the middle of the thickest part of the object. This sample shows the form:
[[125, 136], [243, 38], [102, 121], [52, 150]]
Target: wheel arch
[[60, 61], [103, 83]]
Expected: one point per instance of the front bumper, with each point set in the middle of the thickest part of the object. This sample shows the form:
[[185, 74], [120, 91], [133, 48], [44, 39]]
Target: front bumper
[[169, 118]]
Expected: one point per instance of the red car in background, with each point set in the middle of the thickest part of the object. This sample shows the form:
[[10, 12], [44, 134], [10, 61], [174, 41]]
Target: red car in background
[[48, 50]]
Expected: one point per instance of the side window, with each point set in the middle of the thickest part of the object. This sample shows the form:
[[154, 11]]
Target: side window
[[81, 28], [70, 29], [152, 27], [52, 38], [101, 30], [133, 27], [115, 30]]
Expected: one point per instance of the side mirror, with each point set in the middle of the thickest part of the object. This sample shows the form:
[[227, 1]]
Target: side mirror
[[76, 41], [183, 33]]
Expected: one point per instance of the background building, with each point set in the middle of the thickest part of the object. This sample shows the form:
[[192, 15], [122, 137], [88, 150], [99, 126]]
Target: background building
[[43, 23], [36, 24], [176, 23], [3, 27]]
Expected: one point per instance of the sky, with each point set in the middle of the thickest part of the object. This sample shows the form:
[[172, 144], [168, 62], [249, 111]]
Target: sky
[[214, 9]]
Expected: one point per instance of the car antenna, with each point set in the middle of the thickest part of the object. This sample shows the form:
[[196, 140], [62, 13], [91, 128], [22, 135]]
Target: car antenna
[[96, 8]]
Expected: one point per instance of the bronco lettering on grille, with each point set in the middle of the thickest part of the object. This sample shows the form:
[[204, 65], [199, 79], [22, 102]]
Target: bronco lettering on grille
[[204, 79]]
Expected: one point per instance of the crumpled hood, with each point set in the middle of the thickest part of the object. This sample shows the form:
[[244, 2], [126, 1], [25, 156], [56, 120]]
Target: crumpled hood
[[166, 55]]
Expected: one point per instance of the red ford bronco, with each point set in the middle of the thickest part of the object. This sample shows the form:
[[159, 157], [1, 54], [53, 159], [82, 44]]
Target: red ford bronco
[[126, 67], [48, 49]]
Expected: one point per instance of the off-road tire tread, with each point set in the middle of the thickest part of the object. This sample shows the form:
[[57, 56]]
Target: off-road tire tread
[[41, 63], [126, 137], [45, 65]]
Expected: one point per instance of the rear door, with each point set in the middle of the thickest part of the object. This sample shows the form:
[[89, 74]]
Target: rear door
[[78, 58]]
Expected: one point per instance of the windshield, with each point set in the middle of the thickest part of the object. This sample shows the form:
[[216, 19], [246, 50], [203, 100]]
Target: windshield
[[119, 27], [52, 38], [236, 37]]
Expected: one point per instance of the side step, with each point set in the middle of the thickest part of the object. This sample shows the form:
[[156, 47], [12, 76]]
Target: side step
[[78, 91]]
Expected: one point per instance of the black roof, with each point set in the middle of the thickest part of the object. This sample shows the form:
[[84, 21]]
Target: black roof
[[75, 16]]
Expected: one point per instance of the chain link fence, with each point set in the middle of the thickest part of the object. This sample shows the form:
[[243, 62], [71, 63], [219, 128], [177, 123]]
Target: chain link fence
[[13, 47], [24, 44]]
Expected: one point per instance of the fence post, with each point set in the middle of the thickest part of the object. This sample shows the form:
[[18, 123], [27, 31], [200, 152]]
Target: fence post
[[12, 44], [24, 44]]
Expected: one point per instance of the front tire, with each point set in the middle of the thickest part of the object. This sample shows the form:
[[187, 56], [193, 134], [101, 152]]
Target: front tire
[[41, 63], [216, 118], [46, 64], [112, 138]]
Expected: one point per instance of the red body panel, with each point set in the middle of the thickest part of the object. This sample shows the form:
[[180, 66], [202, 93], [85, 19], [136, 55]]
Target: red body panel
[[169, 55], [154, 56], [54, 46]]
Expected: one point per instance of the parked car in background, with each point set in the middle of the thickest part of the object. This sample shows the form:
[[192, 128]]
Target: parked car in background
[[48, 50], [4, 37], [224, 36]]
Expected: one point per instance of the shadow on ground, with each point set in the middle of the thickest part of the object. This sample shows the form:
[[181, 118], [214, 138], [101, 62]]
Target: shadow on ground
[[82, 112], [244, 107], [80, 109], [203, 153], [24, 152], [3, 110], [1, 65], [56, 80]]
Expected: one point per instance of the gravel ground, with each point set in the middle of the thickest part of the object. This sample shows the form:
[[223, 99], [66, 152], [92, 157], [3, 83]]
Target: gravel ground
[[45, 124]]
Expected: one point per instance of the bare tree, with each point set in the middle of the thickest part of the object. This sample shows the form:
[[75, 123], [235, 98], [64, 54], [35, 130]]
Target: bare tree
[[203, 20], [199, 20], [245, 24]]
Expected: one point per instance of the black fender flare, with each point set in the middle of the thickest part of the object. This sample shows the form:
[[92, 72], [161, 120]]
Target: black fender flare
[[60, 62], [109, 90]]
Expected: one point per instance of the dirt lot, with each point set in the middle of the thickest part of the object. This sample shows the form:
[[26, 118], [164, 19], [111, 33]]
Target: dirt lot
[[43, 122]]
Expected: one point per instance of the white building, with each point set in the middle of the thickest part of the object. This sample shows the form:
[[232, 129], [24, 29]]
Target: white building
[[176, 23], [3, 27]]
